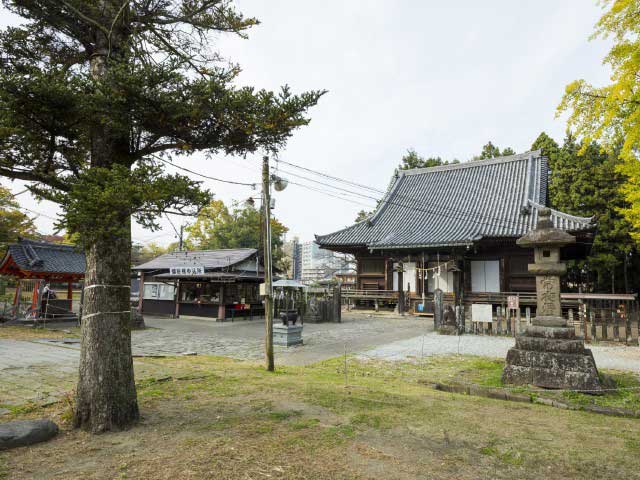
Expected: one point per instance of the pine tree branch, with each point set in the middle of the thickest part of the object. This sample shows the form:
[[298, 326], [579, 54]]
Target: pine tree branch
[[86, 18], [34, 177]]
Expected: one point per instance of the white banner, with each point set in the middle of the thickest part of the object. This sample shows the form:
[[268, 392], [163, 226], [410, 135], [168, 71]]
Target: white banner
[[190, 270]]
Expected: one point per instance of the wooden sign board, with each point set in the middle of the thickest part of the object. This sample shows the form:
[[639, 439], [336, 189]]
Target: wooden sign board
[[481, 312], [188, 270], [513, 302]]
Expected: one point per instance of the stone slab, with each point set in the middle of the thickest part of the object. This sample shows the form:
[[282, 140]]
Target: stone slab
[[26, 432], [549, 321], [542, 344], [549, 332]]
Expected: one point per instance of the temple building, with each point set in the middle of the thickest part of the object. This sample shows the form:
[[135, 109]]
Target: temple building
[[39, 267], [454, 227], [219, 284]]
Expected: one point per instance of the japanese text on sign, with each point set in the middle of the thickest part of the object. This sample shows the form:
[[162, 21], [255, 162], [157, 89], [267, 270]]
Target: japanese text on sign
[[191, 270]]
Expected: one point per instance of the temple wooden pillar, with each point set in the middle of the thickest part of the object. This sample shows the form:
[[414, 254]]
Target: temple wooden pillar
[[177, 310], [70, 294], [141, 293], [400, 288], [16, 299], [34, 294], [221, 305]]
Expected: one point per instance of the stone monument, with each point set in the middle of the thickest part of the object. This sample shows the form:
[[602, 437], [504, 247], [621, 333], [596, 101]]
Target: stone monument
[[549, 354]]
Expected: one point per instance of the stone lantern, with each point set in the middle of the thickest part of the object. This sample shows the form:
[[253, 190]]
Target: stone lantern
[[549, 354]]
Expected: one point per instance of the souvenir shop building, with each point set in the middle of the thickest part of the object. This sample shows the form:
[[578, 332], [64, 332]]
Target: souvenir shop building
[[217, 284]]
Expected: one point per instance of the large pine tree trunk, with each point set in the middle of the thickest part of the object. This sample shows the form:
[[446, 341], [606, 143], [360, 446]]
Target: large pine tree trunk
[[106, 393]]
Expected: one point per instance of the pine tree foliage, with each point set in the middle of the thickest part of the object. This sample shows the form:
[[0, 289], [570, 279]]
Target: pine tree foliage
[[492, 151], [413, 159], [162, 89], [92, 94]]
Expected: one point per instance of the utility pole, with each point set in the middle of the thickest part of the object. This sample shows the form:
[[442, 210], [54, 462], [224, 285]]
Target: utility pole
[[268, 298], [180, 243]]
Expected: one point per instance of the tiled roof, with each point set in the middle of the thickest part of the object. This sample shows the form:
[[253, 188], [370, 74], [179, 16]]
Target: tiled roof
[[209, 259], [458, 205], [45, 257]]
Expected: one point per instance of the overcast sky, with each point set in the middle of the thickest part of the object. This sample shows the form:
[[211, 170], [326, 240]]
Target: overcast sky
[[440, 77]]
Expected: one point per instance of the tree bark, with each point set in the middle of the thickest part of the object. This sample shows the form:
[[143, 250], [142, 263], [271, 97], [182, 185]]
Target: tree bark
[[106, 393]]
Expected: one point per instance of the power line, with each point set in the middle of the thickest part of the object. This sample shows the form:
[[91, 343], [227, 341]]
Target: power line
[[464, 215], [324, 192], [232, 182], [338, 179], [501, 222]]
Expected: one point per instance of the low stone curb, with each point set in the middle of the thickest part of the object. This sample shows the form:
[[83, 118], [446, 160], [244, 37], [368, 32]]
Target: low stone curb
[[498, 394]]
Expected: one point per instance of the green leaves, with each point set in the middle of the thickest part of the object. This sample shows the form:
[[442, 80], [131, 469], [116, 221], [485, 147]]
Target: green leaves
[[611, 114], [101, 201], [13, 222], [412, 159], [218, 227], [77, 135], [492, 151], [584, 181]]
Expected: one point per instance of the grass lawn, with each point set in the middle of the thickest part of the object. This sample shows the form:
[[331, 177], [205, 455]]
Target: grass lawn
[[223, 419], [20, 332]]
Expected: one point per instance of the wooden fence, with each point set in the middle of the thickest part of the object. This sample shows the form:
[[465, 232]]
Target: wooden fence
[[596, 317]]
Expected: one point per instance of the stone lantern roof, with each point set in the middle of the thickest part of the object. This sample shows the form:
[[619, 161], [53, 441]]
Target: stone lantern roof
[[545, 234]]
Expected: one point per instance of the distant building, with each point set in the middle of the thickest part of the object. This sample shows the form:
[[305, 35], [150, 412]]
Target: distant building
[[292, 251], [319, 264]]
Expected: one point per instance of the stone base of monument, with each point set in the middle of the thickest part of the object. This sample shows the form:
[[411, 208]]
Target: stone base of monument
[[287, 335], [550, 355]]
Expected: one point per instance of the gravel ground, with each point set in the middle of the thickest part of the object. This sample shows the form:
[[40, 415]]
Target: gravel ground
[[618, 357]]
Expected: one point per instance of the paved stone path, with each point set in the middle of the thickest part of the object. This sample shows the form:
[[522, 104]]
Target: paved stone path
[[42, 371], [618, 357]]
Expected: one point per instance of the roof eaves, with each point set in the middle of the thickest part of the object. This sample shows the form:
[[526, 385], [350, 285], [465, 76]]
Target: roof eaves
[[465, 243], [320, 238]]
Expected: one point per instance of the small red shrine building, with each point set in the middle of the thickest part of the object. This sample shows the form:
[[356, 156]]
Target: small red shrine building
[[41, 263]]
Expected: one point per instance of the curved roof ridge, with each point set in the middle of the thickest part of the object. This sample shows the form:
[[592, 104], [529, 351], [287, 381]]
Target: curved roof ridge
[[43, 243], [348, 227], [214, 250], [475, 163], [567, 216]]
